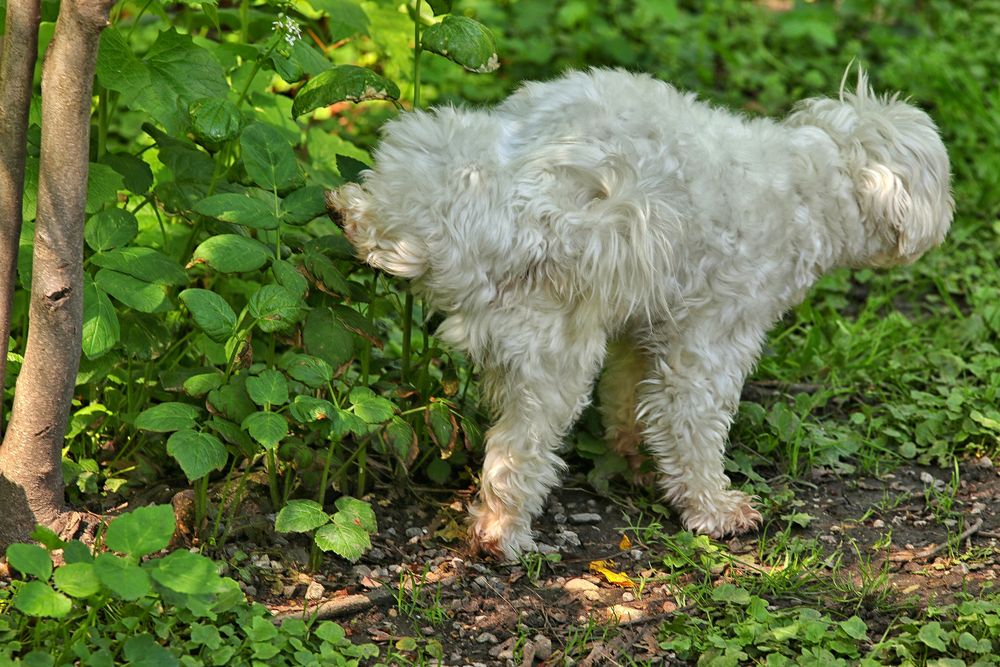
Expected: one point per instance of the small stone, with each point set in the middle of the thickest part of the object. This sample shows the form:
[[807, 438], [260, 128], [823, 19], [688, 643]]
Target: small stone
[[559, 518], [878, 523], [361, 571], [580, 585], [504, 650], [585, 518], [627, 597], [481, 582], [250, 590], [486, 638], [544, 548], [314, 591], [428, 630], [288, 591], [620, 613], [568, 537], [543, 646], [414, 532], [636, 554], [375, 554]]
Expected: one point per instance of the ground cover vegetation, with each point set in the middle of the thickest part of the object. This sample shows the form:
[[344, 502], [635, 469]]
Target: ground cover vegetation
[[234, 350]]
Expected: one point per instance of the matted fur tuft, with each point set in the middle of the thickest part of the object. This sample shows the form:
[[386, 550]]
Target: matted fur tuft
[[609, 207]]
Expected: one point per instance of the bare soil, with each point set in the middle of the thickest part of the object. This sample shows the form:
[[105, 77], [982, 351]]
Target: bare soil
[[420, 582]]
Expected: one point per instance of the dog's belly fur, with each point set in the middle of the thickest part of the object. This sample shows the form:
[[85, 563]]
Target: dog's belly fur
[[607, 205]]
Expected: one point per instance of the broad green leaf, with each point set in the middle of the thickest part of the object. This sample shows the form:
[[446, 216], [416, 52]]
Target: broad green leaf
[[45, 535], [401, 438], [142, 531], [933, 635], [267, 428], [370, 407], [76, 551], [305, 409], [855, 628], [464, 41], [134, 293], [174, 73], [289, 277], [101, 331], [77, 579], [439, 6], [232, 401], [30, 559], [731, 593], [275, 308], [238, 209], [438, 471], [125, 579], [346, 17], [356, 511], [142, 263], [326, 273], [143, 651], [300, 516], [347, 540], [303, 205], [443, 427], [231, 253], [268, 157], [331, 632], [144, 336], [310, 370], [345, 422], [167, 417], [214, 120], [103, 184], [137, 174], [186, 572], [201, 384], [211, 313], [109, 229], [197, 453], [268, 388], [343, 82], [326, 337], [36, 599]]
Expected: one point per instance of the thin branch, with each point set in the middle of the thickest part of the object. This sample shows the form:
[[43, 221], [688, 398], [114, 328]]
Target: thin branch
[[17, 73]]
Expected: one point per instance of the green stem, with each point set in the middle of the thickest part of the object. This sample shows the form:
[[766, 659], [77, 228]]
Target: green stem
[[102, 120], [272, 479], [407, 334]]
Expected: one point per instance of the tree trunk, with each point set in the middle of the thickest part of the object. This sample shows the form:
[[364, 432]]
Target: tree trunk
[[31, 486], [17, 73]]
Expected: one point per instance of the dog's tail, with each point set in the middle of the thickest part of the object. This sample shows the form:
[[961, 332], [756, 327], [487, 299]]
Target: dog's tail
[[352, 208]]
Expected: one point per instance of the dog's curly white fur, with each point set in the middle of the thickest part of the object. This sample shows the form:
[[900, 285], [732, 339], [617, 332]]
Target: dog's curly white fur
[[608, 207]]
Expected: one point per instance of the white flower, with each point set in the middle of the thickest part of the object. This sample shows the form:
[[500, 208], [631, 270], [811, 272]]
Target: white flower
[[289, 27]]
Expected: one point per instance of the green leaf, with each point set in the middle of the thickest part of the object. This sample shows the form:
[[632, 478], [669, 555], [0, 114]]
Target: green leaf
[[300, 516], [326, 337], [438, 470], [343, 82], [134, 293], [267, 428], [125, 579], [443, 428], [231, 400], [174, 73], [303, 205], [167, 417], [136, 173], [346, 17], [731, 593], [214, 120], [231, 253], [211, 313], [30, 559], [101, 331], [439, 6], [268, 388], [36, 599], [305, 409], [197, 453], [347, 540], [855, 628], [45, 535], [275, 308], [76, 551], [268, 157], [933, 636], [401, 438], [109, 229], [186, 572], [202, 383], [464, 41], [142, 531], [371, 408], [142, 263], [143, 651], [289, 277], [356, 511], [238, 209], [307, 369], [103, 184], [77, 579]]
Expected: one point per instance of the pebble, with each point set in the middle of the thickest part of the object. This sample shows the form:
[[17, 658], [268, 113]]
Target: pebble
[[375, 554], [361, 571], [568, 537], [314, 591], [878, 523], [585, 517], [288, 591], [543, 647], [486, 638], [627, 597], [636, 554], [481, 582], [544, 548], [559, 518], [414, 532]]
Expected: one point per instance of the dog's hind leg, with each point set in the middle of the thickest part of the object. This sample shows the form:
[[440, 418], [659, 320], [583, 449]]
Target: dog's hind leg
[[537, 377], [624, 369], [687, 403]]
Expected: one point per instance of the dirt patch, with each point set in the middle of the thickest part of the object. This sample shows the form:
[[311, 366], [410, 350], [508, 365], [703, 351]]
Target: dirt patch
[[417, 592]]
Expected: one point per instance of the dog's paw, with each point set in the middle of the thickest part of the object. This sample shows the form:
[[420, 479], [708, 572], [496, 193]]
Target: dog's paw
[[731, 513], [503, 537]]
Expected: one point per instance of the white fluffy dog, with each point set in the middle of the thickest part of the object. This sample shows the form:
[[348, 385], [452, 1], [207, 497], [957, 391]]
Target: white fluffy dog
[[606, 218]]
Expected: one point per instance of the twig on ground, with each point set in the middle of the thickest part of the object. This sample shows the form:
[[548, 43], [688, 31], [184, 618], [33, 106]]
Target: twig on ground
[[933, 550], [338, 607]]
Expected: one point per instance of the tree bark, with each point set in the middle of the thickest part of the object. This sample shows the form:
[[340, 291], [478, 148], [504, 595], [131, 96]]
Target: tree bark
[[31, 486], [17, 73]]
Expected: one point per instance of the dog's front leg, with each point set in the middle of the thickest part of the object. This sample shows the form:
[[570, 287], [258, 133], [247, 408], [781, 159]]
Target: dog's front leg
[[538, 380], [687, 404]]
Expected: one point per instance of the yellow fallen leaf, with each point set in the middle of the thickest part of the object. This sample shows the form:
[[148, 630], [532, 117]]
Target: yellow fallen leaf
[[616, 578], [625, 543]]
